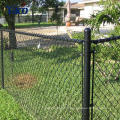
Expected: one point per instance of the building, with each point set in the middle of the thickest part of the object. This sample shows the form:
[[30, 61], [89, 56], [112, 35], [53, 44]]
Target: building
[[83, 9], [90, 7]]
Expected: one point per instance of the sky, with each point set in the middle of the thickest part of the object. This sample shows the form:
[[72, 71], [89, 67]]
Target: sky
[[74, 0]]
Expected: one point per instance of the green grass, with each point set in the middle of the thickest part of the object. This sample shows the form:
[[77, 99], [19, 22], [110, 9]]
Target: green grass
[[27, 25], [10, 110], [57, 92]]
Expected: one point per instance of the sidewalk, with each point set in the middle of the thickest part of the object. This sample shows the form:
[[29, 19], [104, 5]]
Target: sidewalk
[[61, 30]]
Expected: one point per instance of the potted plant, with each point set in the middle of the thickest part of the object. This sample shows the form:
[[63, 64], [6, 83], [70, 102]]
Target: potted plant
[[68, 23]]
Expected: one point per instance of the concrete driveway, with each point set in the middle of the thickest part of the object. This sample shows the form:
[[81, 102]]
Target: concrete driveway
[[61, 30], [52, 30]]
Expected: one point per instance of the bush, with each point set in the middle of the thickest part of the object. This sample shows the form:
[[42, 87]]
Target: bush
[[109, 50], [116, 31], [80, 36]]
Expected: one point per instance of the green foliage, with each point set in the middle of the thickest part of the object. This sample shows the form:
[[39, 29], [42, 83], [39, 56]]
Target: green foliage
[[45, 4], [10, 110], [55, 4], [98, 19], [116, 31], [35, 24], [57, 73], [56, 17], [35, 5], [110, 14], [59, 82], [80, 36], [109, 49], [115, 44], [56, 14]]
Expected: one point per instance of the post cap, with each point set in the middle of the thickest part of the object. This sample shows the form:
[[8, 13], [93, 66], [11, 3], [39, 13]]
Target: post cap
[[87, 30]]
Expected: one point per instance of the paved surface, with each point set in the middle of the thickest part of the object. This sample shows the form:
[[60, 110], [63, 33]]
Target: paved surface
[[53, 30], [24, 40]]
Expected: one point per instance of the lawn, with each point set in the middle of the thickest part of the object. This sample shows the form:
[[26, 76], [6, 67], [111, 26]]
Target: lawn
[[48, 83], [10, 110], [55, 89], [35, 24]]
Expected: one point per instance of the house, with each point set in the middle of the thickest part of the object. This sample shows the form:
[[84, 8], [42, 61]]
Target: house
[[82, 9], [90, 7]]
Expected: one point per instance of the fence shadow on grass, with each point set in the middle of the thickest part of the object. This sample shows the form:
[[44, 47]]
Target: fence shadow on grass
[[60, 54]]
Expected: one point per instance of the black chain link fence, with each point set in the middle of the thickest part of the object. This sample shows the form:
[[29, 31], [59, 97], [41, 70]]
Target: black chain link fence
[[107, 79], [44, 74]]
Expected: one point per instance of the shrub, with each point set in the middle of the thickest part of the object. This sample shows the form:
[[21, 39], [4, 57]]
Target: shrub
[[109, 50], [80, 36]]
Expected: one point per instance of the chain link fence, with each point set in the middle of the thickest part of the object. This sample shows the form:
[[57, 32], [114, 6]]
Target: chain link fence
[[55, 77], [107, 79], [44, 74], [26, 19]]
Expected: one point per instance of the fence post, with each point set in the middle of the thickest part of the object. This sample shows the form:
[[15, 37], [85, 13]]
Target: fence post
[[2, 61], [86, 80]]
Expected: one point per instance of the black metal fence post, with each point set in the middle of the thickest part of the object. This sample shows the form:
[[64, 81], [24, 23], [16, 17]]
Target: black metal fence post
[[86, 81], [2, 61]]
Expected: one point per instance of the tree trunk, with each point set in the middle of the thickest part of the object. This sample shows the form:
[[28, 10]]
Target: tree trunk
[[32, 15], [11, 26], [18, 18], [33, 10]]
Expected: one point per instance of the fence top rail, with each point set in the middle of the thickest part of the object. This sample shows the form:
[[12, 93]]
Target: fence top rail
[[54, 37], [105, 40]]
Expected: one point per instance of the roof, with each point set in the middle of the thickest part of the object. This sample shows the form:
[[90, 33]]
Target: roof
[[88, 1], [75, 6], [81, 4]]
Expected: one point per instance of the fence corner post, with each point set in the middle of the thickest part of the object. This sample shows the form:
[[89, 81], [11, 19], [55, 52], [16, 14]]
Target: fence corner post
[[2, 61], [86, 80]]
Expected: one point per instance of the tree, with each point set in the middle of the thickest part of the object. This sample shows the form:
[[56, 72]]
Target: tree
[[11, 18], [109, 14], [34, 7], [56, 5], [56, 17]]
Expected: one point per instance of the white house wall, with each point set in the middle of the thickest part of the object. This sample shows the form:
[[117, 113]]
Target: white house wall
[[2, 20], [90, 9]]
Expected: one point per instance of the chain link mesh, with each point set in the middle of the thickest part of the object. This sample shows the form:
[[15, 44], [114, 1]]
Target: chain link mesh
[[107, 80], [44, 74], [0, 64]]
